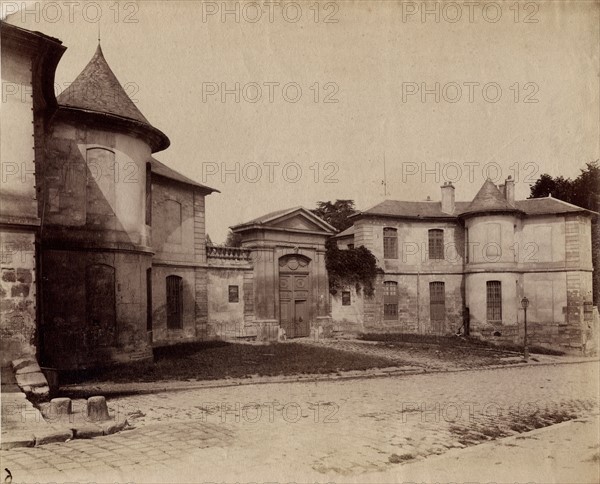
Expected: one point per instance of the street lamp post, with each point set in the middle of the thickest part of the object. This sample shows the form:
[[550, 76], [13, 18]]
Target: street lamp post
[[524, 305]]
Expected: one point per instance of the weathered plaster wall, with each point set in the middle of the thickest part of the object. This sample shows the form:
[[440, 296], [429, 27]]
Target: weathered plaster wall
[[17, 183], [348, 318], [414, 305], [230, 319], [189, 330], [95, 180], [413, 244], [171, 241]]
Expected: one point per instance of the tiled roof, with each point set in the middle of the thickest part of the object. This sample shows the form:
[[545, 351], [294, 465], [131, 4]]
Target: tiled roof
[[164, 171], [96, 89], [401, 208], [548, 205], [489, 199], [345, 233]]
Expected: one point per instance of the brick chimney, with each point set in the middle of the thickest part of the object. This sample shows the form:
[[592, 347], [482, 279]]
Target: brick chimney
[[509, 190], [448, 198]]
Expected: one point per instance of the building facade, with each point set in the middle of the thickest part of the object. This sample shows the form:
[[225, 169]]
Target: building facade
[[451, 267], [104, 253]]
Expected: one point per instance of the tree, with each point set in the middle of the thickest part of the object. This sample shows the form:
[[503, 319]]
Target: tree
[[233, 239], [337, 213], [209, 240], [584, 192]]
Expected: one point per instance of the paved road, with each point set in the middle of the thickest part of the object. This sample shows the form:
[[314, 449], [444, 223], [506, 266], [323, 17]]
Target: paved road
[[331, 431]]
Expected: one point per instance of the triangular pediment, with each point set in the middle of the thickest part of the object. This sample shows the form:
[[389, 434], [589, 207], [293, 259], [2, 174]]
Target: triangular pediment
[[297, 219]]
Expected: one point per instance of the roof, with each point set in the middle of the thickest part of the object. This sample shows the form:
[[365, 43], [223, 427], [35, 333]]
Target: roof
[[489, 199], [163, 170], [549, 205], [97, 90], [277, 214], [345, 233], [400, 208]]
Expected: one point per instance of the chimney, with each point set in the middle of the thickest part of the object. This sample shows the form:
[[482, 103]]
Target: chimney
[[448, 198], [509, 190]]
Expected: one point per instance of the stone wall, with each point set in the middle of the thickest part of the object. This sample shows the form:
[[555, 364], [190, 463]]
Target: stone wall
[[18, 332]]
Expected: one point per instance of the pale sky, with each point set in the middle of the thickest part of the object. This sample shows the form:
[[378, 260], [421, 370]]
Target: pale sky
[[178, 52]]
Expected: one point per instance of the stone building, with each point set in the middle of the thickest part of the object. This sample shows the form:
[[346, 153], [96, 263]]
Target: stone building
[[28, 60], [104, 252], [451, 266], [87, 278]]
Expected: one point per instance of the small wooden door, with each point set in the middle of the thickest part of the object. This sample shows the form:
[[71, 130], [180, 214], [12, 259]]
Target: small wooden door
[[293, 313]]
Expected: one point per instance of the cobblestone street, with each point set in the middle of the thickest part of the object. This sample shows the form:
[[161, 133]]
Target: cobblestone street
[[326, 431]]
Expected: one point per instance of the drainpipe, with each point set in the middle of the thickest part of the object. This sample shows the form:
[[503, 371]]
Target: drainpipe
[[418, 300]]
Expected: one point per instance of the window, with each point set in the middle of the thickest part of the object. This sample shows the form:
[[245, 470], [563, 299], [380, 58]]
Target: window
[[494, 301], [350, 246], [390, 243], [174, 302], [436, 244], [390, 300], [346, 298], [437, 301], [172, 211], [234, 294]]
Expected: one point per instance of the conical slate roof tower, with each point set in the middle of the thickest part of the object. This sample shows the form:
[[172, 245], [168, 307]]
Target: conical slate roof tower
[[97, 91]]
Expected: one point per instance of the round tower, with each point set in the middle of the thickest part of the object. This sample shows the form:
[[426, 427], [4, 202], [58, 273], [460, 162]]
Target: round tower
[[95, 229], [492, 222]]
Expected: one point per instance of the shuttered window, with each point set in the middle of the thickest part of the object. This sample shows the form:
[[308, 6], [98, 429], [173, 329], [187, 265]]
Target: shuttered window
[[494, 301], [174, 302], [234, 294], [390, 300], [437, 301], [436, 244], [390, 243]]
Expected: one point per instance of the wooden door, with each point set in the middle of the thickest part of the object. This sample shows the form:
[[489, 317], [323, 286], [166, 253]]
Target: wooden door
[[293, 312]]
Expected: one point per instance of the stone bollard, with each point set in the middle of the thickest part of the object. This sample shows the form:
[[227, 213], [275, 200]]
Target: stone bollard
[[60, 407], [97, 410]]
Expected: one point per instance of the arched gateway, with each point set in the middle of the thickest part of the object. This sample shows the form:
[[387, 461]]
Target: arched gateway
[[291, 289]]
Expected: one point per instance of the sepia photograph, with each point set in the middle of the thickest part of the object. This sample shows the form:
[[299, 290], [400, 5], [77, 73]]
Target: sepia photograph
[[310, 241]]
